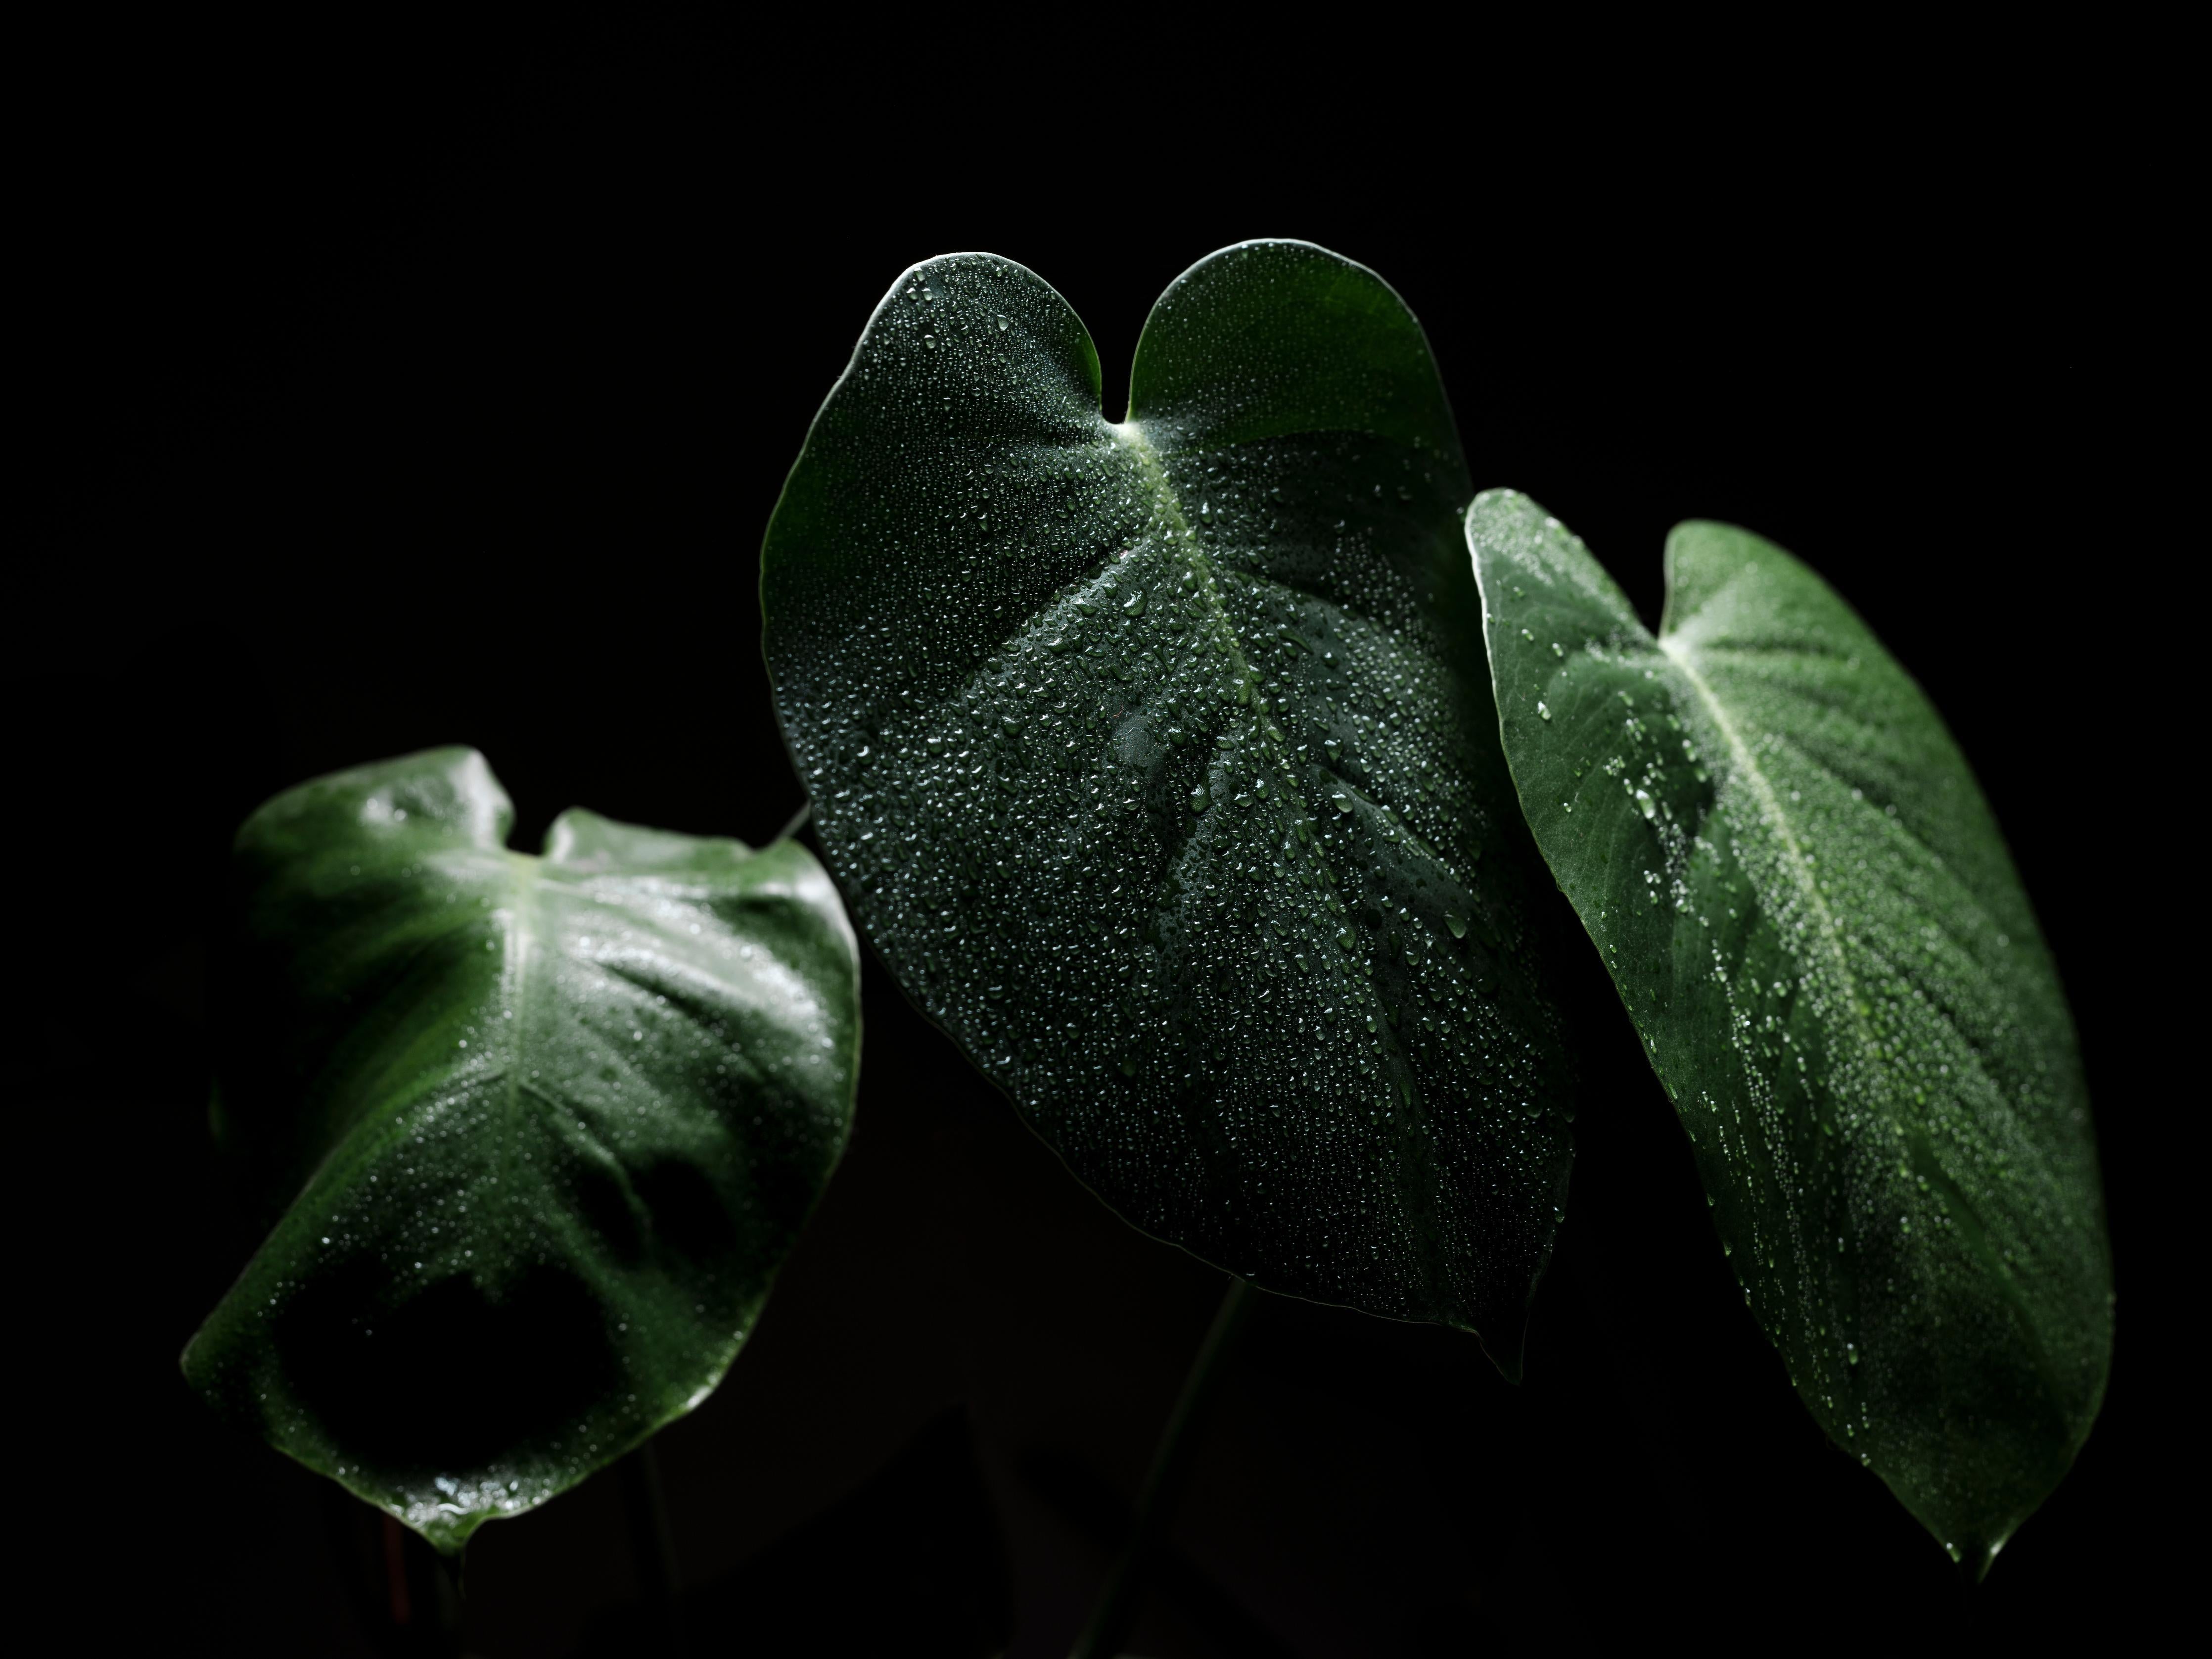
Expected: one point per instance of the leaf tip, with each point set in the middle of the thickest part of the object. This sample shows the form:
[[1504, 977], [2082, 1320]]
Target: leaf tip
[[1507, 1351]]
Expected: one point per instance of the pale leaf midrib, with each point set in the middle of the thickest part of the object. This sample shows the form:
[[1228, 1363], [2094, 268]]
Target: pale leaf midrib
[[1130, 435], [525, 946], [1802, 868], [1777, 817]]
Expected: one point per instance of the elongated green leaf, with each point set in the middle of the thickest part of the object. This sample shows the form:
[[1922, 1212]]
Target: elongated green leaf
[[1811, 916], [547, 1126], [1158, 759]]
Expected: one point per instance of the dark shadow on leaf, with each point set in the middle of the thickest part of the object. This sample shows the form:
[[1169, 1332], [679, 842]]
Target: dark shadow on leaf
[[449, 1378], [598, 1194], [688, 1217]]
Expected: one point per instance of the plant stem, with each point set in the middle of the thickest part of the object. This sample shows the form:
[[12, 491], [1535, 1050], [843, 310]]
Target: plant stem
[[653, 1551], [798, 822], [1116, 1610]]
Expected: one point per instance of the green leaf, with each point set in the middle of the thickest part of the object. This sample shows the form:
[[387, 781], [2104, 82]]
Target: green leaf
[[544, 1128], [1159, 760], [1809, 910]]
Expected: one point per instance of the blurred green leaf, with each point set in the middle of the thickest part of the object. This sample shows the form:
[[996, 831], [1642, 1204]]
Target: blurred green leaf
[[543, 1128]]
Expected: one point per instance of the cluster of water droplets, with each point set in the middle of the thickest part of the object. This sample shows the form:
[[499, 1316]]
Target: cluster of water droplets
[[1809, 909], [1144, 763]]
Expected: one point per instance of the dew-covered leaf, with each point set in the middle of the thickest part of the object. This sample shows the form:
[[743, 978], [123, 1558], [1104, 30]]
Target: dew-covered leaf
[[539, 1130], [1809, 912], [1159, 760]]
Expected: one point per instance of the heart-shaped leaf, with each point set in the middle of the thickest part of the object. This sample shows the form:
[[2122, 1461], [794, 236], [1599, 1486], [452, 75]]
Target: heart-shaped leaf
[[547, 1126], [1809, 910], [1159, 760]]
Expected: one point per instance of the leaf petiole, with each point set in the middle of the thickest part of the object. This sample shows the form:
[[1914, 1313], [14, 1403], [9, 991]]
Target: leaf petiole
[[1164, 1482]]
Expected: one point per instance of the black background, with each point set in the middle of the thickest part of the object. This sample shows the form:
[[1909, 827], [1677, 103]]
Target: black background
[[389, 386]]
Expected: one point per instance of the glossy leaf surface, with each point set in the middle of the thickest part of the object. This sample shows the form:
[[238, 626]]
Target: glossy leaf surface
[[543, 1129], [1158, 759], [1808, 908]]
